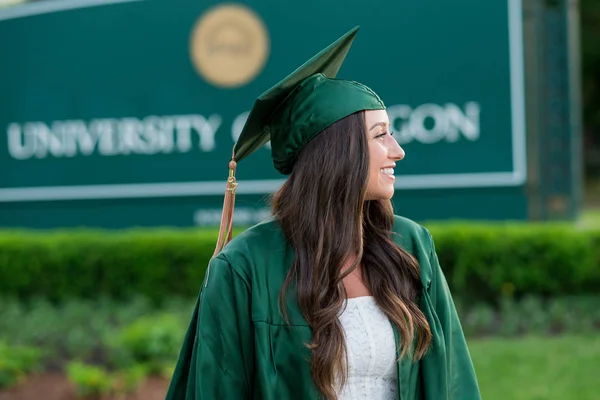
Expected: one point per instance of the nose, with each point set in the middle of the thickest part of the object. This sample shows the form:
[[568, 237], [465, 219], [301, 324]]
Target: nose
[[395, 152]]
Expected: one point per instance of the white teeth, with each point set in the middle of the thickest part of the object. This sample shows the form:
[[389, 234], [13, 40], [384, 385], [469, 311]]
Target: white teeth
[[387, 171]]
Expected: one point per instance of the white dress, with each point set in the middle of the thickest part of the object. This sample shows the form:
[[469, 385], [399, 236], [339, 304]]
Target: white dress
[[371, 348]]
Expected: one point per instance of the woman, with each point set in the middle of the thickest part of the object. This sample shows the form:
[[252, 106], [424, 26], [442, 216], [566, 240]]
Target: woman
[[334, 297]]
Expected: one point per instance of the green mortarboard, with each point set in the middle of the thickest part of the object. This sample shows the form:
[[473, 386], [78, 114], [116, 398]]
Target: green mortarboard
[[293, 112], [299, 107]]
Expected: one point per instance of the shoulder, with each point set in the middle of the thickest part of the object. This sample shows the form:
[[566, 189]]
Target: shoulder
[[253, 248], [418, 241], [264, 236], [411, 235]]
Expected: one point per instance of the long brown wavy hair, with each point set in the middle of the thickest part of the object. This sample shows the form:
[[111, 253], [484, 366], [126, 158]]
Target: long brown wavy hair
[[325, 216]]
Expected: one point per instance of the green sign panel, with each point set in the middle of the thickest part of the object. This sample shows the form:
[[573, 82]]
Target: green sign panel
[[134, 106]]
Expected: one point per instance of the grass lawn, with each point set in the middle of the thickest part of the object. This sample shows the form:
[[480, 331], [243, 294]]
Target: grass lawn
[[563, 368]]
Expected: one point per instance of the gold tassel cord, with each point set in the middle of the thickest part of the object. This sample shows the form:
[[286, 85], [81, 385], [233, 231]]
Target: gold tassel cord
[[225, 228], [226, 225]]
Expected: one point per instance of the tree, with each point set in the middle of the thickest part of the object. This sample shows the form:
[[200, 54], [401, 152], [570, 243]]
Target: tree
[[590, 59]]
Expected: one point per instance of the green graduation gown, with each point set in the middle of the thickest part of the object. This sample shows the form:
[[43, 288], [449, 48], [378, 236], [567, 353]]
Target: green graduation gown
[[239, 347]]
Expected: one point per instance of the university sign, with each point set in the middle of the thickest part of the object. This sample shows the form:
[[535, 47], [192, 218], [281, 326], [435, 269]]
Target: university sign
[[173, 133], [144, 99]]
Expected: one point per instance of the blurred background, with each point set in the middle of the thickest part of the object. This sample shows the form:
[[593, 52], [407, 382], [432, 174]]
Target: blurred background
[[120, 117]]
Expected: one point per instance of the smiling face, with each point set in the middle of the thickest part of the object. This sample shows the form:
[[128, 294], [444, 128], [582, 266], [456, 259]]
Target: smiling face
[[384, 151]]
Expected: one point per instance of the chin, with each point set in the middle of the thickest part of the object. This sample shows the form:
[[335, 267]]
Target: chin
[[384, 195], [380, 192]]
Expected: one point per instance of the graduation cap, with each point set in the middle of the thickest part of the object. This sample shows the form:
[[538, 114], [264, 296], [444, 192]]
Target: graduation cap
[[293, 112]]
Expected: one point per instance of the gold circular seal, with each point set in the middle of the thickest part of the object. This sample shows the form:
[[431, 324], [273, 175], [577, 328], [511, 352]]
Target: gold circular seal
[[229, 45]]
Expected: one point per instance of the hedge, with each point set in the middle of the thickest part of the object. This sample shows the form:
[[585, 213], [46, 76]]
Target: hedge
[[486, 262], [481, 262]]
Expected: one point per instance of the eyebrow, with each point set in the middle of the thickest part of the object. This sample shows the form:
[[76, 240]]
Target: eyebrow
[[382, 124]]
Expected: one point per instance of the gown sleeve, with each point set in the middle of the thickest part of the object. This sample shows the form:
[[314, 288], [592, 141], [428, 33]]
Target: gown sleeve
[[447, 370], [216, 357]]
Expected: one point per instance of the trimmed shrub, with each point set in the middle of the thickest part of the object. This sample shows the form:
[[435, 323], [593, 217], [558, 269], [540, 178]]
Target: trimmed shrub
[[486, 262], [481, 262], [87, 264]]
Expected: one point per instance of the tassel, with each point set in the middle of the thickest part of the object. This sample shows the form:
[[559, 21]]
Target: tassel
[[226, 226]]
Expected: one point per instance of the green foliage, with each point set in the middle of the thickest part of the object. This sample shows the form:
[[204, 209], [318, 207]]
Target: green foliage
[[86, 330], [16, 363], [93, 382], [531, 315], [482, 262], [90, 381], [153, 341]]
